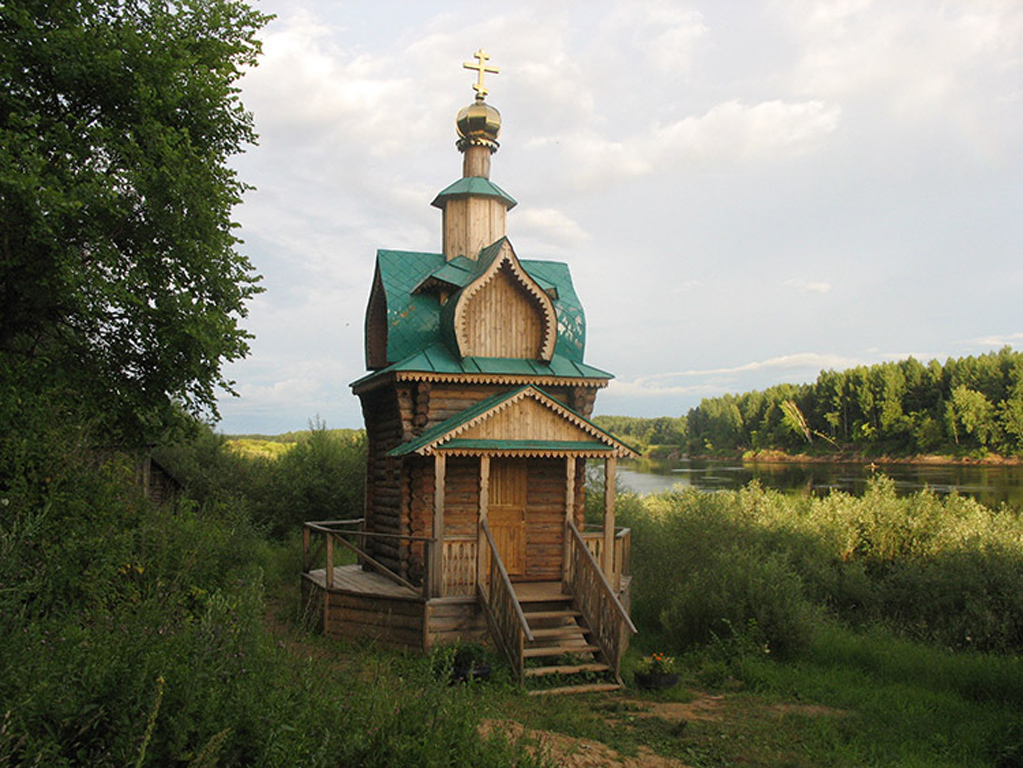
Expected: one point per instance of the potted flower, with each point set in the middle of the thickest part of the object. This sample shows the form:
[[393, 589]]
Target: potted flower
[[471, 662], [656, 671]]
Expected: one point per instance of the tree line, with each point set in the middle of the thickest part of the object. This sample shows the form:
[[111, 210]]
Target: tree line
[[963, 406]]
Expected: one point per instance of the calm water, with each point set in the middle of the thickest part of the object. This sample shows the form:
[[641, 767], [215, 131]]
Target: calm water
[[991, 485]]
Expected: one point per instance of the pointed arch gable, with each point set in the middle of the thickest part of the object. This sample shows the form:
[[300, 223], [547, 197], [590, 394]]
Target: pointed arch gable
[[504, 312], [376, 324]]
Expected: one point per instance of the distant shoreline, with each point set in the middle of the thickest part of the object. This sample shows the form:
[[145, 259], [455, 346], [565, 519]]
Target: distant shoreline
[[781, 457]]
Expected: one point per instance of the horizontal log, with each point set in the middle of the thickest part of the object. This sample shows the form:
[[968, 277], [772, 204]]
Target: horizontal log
[[405, 638], [457, 624], [369, 605], [388, 620], [445, 638]]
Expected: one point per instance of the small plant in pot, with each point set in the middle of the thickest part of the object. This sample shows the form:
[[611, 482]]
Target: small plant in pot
[[656, 671], [469, 661]]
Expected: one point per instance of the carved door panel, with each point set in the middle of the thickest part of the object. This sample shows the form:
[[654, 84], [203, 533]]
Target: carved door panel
[[507, 513]]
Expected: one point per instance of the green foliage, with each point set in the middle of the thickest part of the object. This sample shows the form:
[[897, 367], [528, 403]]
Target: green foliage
[[644, 434], [971, 404], [321, 476], [120, 284], [255, 448], [946, 571], [135, 635]]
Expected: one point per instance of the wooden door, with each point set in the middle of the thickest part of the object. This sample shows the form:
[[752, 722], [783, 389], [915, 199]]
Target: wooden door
[[507, 513]]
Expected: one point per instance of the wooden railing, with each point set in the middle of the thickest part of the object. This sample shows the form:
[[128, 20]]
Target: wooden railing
[[505, 618], [622, 553], [459, 566], [336, 532], [596, 600]]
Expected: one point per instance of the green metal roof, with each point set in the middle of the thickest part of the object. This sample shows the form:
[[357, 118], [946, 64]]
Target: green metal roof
[[476, 186], [414, 316], [438, 358], [472, 412]]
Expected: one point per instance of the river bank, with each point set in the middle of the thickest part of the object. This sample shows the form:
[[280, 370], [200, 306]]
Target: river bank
[[849, 457]]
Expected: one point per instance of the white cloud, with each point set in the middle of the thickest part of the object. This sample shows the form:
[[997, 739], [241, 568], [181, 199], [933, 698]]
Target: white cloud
[[778, 157], [665, 34], [549, 225], [727, 135], [672, 382], [1000, 340], [909, 58], [808, 286]]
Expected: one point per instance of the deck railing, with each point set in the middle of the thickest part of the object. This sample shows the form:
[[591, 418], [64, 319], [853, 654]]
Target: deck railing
[[334, 532], [459, 566], [505, 618], [622, 565], [596, 600]]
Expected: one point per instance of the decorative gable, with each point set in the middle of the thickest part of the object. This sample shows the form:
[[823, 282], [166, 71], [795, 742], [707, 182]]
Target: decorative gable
[[504, 312], [524, 422]]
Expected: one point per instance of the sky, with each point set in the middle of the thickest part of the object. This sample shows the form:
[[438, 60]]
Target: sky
[[747, 193]]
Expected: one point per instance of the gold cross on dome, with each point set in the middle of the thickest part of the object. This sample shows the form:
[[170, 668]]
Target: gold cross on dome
[[480, 67]]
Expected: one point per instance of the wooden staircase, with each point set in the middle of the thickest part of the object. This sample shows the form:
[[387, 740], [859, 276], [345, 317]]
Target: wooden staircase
[[561, 647]]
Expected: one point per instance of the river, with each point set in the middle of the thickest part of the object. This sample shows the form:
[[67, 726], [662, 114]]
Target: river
[[992, 485]]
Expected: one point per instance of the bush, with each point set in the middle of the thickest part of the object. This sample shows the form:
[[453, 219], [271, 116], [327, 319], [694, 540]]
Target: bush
[[948, 571], [743, 588], [321, 478]]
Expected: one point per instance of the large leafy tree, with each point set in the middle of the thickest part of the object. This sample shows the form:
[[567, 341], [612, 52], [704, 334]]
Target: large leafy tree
[[121, 283]]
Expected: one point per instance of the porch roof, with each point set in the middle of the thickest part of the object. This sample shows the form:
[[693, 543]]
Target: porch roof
[[504, 422]]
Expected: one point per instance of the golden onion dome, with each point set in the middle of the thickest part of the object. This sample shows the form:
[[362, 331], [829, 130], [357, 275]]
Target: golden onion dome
[[478, 124]]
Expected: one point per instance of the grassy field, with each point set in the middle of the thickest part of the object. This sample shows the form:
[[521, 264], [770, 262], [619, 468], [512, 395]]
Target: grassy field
[[808, 632], [852, 699]]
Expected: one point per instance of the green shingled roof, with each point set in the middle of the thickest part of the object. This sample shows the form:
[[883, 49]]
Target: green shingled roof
[[476, 186], [414, 315], [438, 358]]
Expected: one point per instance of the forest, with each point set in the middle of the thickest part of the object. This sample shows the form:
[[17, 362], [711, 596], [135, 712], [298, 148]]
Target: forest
[[968, 406]]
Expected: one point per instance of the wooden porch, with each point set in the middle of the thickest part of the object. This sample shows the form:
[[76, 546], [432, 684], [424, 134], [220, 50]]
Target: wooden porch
[[575, 624]]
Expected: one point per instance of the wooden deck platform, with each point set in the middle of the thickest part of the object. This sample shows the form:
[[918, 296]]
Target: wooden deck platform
[[362, 604], [354, 580]]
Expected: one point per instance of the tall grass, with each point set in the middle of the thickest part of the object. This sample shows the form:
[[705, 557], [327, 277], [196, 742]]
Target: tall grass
[[947, 571], [902, 616], [135, 635]]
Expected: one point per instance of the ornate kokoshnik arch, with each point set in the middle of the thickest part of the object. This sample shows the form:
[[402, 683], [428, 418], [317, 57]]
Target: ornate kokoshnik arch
[[505, 316]]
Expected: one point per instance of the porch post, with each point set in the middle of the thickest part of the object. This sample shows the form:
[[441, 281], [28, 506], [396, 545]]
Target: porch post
[[569, 511], [437, 556], [610, 469], [481, 543]]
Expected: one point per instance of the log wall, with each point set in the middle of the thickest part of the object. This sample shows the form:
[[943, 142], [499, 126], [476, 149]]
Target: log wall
[[402, 623], [385, 490], [450, 399], [391, 621], [545, 519]]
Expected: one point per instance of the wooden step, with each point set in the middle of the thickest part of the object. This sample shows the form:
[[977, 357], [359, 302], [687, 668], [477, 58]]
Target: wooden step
[[566, 669], [558, 650], [568, 613], [569, 630], [587, 688]]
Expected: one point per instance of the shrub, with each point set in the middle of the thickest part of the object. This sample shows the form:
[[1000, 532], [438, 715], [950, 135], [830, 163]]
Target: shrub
[[743, 586], [945, 570]]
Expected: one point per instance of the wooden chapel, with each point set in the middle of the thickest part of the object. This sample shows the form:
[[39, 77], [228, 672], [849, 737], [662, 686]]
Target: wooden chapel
[[477, 410]]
